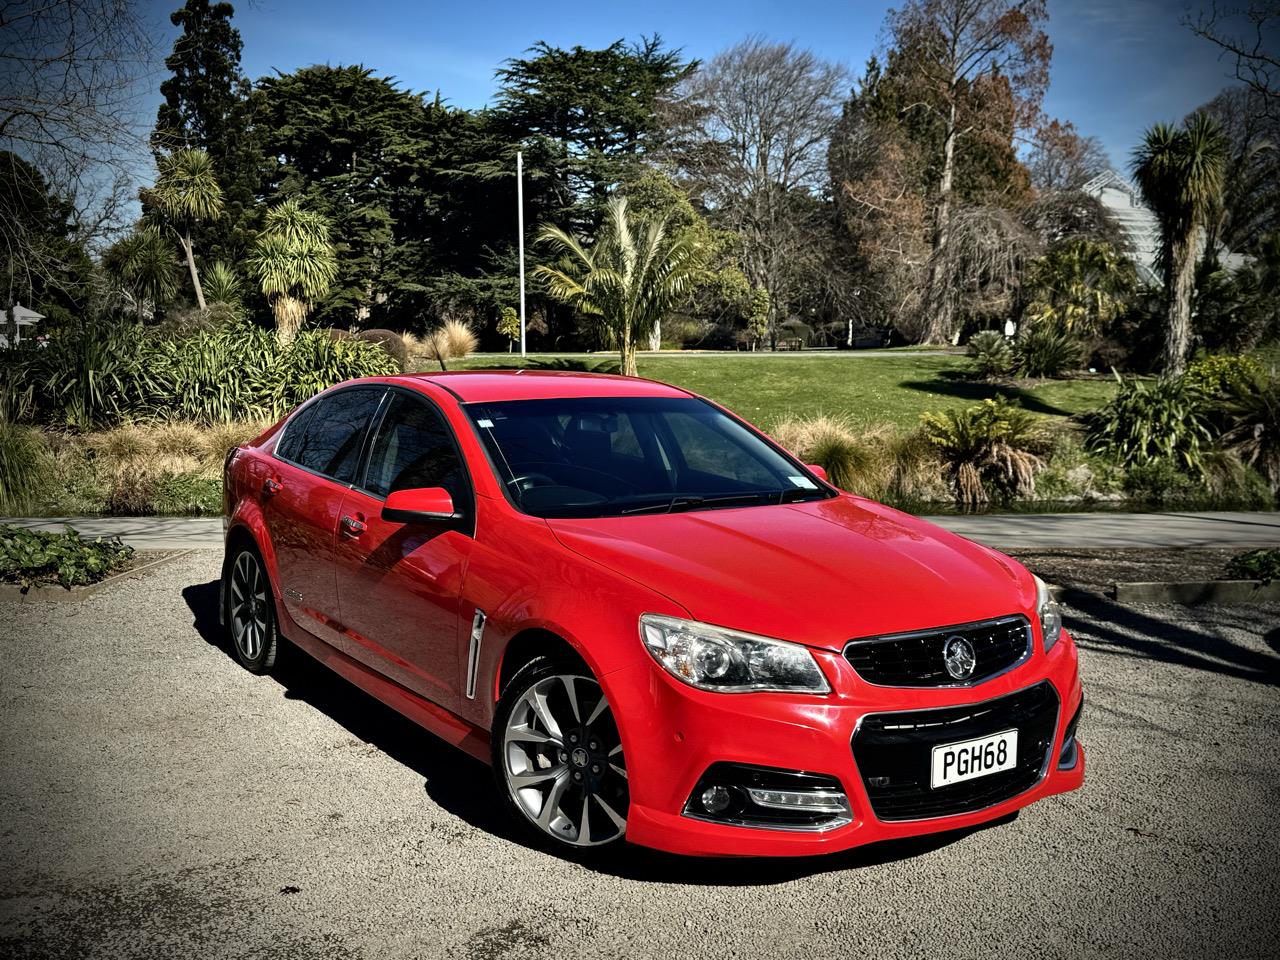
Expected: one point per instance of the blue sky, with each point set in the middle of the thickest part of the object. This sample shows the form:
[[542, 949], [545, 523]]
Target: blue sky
[[1118, 65]]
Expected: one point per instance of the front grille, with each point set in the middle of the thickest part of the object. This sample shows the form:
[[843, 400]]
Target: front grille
[[893, 752], [916, 659]]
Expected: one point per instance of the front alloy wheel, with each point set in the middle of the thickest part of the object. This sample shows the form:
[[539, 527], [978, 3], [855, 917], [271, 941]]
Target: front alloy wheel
[[561, 756]]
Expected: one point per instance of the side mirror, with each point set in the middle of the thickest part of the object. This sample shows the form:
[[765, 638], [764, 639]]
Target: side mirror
[[419, 505], [818, 471]]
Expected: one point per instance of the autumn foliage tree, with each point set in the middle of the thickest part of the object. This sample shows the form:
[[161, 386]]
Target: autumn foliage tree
[[993, 50]]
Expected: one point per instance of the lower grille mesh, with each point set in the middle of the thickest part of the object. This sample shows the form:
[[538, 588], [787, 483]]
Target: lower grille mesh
[[893, 752]]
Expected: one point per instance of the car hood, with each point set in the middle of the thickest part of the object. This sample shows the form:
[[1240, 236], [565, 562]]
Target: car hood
[[819, 573]]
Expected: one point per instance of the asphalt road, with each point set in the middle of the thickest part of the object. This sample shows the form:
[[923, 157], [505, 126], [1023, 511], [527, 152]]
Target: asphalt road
[[157, 801], [1009, 531]]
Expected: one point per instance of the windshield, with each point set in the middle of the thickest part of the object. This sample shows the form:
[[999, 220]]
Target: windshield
[[612, 456]]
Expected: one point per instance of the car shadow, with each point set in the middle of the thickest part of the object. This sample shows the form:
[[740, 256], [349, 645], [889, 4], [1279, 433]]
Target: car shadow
[[465, 788]]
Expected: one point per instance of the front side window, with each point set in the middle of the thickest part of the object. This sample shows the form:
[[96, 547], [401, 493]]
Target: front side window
[[329, 434], [611, 456], [414, 448]]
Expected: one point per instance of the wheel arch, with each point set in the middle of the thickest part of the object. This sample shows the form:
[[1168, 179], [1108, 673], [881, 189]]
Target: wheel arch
[[529, 644]]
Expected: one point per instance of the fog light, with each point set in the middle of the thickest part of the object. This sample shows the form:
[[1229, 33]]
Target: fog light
[[715, 799]]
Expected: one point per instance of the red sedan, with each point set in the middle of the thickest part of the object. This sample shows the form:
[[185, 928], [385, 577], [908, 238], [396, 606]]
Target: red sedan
[[652, 621]]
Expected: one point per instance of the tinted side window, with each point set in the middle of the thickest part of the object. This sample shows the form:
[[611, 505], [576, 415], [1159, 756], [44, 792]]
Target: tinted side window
[[294, 432], [331, 442], [414, 449]]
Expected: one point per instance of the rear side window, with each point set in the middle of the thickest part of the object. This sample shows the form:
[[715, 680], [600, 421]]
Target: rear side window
[[330, 437], [414, 448]]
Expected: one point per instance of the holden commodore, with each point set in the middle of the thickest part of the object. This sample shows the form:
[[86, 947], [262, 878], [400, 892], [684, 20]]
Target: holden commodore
[[653, 622]]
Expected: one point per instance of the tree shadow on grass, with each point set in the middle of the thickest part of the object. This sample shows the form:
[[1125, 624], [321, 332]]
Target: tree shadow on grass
[[1111, 627], [465, 787], [955, 384]]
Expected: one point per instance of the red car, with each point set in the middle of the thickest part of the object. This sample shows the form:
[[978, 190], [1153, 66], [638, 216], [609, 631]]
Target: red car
[[650, 619]]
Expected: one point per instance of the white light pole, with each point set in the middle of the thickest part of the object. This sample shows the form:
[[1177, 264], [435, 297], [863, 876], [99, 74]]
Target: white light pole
[[520, 221]]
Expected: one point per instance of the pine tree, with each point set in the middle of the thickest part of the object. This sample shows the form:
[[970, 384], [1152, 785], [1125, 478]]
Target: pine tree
[[208, 106]]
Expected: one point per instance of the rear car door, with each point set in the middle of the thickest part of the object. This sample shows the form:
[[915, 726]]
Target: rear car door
[[316, 459], [400, 585]]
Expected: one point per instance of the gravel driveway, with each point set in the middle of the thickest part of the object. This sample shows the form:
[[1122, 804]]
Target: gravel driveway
[[158, 801]]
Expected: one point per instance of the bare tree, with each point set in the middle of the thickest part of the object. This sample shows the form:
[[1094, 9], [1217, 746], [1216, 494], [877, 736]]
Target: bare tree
[[958, 45], [69, 82], [750, 132], [1061, 159], [1251, 37]]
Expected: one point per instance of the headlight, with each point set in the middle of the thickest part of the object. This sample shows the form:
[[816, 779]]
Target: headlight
[[1050, 615], [713, 658]]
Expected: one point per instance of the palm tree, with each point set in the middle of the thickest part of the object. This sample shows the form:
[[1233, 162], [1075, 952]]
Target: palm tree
[[144, 266], [187, 192], [1179, 171], [1080, 286], [294, 262], [627, 279]]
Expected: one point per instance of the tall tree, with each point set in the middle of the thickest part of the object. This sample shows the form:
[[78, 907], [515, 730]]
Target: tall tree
[[996, 47], [750, 130], [1249, 207], [294, 263], [207, 106], [585, 117], [1179, 171], [187, 194], [363, 153], [627, 279]]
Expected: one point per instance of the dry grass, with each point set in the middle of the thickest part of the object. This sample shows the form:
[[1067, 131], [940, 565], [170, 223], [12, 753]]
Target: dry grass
[[173, 448], [452, 340]]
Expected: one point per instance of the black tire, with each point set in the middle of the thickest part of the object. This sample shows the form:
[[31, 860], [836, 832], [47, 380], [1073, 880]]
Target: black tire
[[575, 761], [249, 610]]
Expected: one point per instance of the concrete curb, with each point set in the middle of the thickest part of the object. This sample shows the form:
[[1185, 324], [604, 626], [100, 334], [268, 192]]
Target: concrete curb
[[60, 594], [1193, 592]]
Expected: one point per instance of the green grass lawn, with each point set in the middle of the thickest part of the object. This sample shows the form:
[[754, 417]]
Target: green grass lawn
[[881, 388]]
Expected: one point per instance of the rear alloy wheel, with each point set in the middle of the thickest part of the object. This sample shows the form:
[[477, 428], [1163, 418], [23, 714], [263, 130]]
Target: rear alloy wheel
[[250, 613], [560, 756]]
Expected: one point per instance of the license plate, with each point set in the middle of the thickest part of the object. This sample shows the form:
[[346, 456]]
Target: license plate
[[957, 762]]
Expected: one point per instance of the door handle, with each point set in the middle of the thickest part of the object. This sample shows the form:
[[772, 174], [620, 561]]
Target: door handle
[[353, 527], [272, 486]]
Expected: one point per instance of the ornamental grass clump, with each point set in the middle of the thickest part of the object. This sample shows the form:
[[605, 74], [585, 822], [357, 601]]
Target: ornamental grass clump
[[855, 458], [992, 446], [1146, 422]]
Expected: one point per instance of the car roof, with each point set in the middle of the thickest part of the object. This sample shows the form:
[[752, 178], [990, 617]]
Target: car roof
[[486, 386]]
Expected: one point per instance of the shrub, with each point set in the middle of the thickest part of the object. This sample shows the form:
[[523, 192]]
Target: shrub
[[1221, 373], [188, 494], [991, 445], [452, 340], [855, 459], [314, 361], [1145, 422], [33, 556], [1261, 565], [23, 461], [222, 284], [1041, 351], [91, 374], [1251, 408], [990, 354], [391, 342]]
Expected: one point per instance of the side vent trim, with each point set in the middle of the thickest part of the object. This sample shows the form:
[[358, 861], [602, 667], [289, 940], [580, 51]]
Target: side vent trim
[[473, 652]]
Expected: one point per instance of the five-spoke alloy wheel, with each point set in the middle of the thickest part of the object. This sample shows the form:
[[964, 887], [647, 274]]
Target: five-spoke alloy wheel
[[559, 754]]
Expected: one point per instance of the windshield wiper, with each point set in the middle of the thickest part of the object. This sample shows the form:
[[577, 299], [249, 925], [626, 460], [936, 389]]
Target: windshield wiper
[[682, 502]]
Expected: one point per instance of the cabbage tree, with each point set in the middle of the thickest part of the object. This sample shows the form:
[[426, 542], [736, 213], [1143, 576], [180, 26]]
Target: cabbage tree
[[294, 263], [187, 193]]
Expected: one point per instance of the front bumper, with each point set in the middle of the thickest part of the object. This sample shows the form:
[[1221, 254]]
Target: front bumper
[[672, 733]]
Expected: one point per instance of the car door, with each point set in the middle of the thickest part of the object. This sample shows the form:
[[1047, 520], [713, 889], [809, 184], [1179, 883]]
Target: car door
[[315, 461], [400, 585]]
